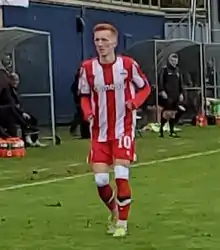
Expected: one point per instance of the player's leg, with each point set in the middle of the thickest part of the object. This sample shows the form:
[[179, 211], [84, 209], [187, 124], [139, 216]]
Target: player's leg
[[173, 112], [163, 119], [101, 159], [180, 111], [123, 154]]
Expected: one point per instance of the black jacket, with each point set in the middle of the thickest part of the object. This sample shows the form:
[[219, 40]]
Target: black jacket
[[17, 101], [6, 98], [74, 89], [171, 81]]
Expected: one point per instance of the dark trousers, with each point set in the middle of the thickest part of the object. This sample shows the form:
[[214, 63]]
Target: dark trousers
[[84, 130], [30, 127], [168, 104], [8, 122], [79, 121], [11, 118]]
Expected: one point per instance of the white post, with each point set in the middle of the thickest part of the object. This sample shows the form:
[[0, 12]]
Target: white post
[[189, 23], [53, 126], [209, 21], [193, 4], [13, 60]]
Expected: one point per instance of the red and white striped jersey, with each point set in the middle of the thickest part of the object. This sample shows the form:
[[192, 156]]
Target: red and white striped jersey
[[110, 87]]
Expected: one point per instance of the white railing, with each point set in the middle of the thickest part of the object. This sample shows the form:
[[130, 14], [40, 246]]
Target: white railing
[[164, 5], [142, 3]]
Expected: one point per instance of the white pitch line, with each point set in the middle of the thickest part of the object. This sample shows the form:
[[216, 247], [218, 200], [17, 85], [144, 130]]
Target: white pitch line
[[179, 143], [169, 159], [39, 170], [5, 178], [74, 164], [162, 150], [8, 171]]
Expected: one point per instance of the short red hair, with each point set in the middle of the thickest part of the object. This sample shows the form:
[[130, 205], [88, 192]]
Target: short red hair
[[105, 26]]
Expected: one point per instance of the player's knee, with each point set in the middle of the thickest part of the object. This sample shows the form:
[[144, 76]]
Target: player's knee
[[100, 168], [121, 172], [122, 162], [102, 179]]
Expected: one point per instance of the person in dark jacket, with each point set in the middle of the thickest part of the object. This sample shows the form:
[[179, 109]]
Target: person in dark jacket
[[7, 104], [78, 116], [77, 119], [170, 91], [10, 116], [27, 122]]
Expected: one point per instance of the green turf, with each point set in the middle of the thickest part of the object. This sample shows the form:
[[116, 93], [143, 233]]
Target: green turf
[[176, 204]]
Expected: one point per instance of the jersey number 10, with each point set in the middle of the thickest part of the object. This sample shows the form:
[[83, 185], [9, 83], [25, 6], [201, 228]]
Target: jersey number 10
[[124, 142]]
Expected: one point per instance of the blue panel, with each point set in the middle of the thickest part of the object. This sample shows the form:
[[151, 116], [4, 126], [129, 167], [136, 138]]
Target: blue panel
[[67, 46], [66, 49]]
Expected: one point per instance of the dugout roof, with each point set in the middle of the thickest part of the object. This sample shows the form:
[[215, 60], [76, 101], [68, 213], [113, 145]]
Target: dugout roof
[[11, 37], [40, 86]]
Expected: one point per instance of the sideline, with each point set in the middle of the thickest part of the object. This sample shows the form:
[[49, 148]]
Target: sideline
[[168, 159]]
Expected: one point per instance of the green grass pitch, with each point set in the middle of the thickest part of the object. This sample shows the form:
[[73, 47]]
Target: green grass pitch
[[47, 202]]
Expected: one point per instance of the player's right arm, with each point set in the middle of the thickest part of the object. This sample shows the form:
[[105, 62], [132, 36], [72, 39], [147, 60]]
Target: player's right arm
[[85, 94]]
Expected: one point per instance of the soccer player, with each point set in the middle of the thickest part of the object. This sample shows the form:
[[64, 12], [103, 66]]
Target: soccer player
[[112, 87]]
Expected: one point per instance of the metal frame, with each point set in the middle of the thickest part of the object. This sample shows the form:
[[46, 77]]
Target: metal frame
[[51, 91], [156, 81], [215, 79], [209, 21], [159, 54], [216, 85], [9, 46], [202, 78], [193, 15]]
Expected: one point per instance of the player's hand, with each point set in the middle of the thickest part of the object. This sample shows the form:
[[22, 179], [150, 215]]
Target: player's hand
[[181, 98], [26, 116], [164, 94], [130, 105]]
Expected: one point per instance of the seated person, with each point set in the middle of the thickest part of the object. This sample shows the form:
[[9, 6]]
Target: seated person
[[7, 116], [28, 123]]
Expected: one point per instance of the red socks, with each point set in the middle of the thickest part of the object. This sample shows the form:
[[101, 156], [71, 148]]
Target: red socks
[[106, 193], [123, 198]]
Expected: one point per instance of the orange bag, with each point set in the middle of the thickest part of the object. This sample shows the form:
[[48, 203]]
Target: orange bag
[[201, 120], [3, 147], [217, 120], [12, 147]]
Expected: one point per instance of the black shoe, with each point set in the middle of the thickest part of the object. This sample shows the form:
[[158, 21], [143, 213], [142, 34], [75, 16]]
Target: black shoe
[[161, 135], [72, 130], [58, 140]]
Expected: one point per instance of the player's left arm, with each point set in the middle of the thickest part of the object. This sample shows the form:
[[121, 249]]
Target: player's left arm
[[142, 85]]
